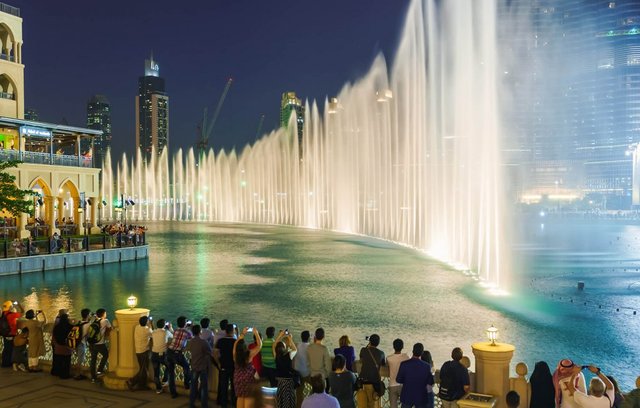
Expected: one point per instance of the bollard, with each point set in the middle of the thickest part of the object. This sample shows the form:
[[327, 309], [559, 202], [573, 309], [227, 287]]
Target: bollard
[[6, 249], [69, 245], [104, 242]]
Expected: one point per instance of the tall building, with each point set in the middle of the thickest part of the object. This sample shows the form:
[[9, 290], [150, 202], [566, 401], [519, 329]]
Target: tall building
[[288, 104], [11, 66], [99, 118], [31, 114], [152, 111]]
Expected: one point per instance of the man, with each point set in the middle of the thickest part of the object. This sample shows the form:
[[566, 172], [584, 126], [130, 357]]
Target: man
[[81, 348], [301, 365], [601, 390], [142, 344], [513, 399], [100, 344], [160, 338], [221, 332], [200, 362], [206, 333], [268, 360], [9, 329], [175, 355], [371, 358], [454, 380], [319, 398], [319, 358], [393, 361], [562, 376], [223, 355], [415, 375]]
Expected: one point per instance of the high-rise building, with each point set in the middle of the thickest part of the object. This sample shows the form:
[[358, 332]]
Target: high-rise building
[[152, 111], [288, 104], [11, 66], [99, 118], [31, 114]]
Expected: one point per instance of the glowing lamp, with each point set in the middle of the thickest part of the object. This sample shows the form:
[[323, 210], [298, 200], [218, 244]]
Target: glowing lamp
[[80, 210], [132, 302], [492, 334]]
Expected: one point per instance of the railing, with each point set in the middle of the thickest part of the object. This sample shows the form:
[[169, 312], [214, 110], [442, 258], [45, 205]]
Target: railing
[[7, 95], [46, 158], [5, 8]]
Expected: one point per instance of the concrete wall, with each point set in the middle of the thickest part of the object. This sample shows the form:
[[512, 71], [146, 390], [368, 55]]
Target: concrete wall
[[40, 263]]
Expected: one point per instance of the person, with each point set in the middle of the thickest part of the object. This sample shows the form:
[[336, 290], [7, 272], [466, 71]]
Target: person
[[175, 355], [100, 346], [393, 362], [319, 358], [284, 350], [10, 315], [142, 334], [160, 338], [223, 354], [454, 380], [319, 398], [36, 337], [342, 382], [61, 364], [244, 380], [542, 391], [619, 399], [221, 332], [632, 399], [19, 356], [346, 350], [415, 376], [206, 333], [301, 365], [426, 357], [200, 363], [601, 391], [513, 399], [268, 361], [371, 358], [561, 377], [81, 347]]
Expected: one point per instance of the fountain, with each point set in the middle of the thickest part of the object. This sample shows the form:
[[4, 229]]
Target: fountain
[[408, 154]]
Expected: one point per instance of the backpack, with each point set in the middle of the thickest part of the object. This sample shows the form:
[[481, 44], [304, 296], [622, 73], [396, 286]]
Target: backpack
[[75, 335], [448, 391], [94, 334], [5, 329]]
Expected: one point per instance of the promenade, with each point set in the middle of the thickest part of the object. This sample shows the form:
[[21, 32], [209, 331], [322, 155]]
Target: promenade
[[42, 390]]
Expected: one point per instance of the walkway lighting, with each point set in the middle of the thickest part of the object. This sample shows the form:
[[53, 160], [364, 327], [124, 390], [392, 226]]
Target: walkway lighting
[[492, 334], [132, 302]]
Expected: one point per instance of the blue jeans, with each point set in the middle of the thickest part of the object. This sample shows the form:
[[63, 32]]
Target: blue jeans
[[203, 387], [173, 358]]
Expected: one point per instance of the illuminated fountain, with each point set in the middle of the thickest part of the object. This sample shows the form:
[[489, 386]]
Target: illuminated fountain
[[409, 155]]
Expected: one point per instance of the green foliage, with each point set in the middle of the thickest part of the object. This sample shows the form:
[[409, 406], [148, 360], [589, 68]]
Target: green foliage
[[12, 199]]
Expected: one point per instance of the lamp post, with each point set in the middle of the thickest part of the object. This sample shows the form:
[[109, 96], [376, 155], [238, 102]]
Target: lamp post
[[492, 366], [132, 302], [492, 334]]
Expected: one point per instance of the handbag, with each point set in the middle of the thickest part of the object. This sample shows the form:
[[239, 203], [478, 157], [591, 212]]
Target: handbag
[[379, 386]]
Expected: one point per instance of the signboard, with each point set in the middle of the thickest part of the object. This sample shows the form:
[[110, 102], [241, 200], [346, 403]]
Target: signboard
[[35, 132]]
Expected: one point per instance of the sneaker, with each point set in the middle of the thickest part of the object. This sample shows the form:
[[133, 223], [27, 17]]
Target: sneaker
[[21, 368], [93, 380], [100, 373], [159, 391]]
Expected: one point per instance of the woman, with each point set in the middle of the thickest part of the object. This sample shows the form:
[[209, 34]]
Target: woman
[[19, 356], [61, 365], [36, 337], [244, 380], [342, 382], [346, 350], [542, 390], [426, 357], [619, 397], [284, 350]]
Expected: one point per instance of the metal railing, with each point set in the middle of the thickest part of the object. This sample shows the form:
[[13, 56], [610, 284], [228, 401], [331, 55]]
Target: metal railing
[[5, 8], [7, 95], [46, 158]]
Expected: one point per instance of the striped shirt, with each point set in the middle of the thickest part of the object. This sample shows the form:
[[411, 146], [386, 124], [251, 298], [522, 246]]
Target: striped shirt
[[180, 338], [268, 360]]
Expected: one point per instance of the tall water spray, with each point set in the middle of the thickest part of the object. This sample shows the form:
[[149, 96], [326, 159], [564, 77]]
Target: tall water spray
[[409, 155]]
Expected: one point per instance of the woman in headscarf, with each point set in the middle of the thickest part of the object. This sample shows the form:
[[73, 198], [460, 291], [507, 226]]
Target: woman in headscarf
[[562, 375], [61, 365], [36, 337], [542, 389]]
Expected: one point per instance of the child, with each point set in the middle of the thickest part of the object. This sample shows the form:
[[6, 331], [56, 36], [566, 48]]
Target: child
[[19, 356]]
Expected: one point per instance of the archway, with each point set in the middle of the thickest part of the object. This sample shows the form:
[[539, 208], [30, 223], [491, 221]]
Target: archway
[[43, 220], [68, 204]]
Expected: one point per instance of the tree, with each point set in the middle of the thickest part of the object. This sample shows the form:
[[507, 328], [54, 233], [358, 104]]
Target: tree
[[11, 197]]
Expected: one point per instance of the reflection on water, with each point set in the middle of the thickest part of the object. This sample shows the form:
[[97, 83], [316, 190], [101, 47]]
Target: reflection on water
[[301, 279]]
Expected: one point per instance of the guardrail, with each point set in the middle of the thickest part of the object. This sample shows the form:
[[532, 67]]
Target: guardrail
[[45, 158]]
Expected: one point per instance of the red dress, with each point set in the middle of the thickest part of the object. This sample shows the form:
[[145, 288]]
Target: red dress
[[243, 380]]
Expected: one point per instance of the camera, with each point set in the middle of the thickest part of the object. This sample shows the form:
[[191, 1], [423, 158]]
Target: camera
[[366, 338], [166, 324], [584, 367], [189, 322], [15, 302], [249, 329], [150, 317], [286, 331]]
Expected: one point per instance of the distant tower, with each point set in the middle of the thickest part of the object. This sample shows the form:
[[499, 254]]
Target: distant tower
[[31, 114], [99, 118], [288, 104], [11, 66], [152, 111]]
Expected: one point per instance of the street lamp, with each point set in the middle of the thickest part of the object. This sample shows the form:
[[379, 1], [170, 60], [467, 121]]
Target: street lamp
[[132, 302], [492, 334]]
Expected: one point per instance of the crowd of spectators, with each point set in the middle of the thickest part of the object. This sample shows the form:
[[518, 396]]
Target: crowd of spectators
[[246, 361]]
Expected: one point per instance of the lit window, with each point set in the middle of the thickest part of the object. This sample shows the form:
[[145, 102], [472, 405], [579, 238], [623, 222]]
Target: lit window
[[612, 4]]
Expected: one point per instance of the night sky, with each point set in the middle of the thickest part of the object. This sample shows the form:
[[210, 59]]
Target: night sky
[[74, 49]]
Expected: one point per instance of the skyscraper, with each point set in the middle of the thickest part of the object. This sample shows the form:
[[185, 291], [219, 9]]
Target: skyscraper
[[152, 111], [31, 114], [288, 104], [99, 118]]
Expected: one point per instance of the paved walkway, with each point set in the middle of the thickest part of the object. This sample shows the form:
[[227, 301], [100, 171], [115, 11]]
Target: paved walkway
[[42, 390]]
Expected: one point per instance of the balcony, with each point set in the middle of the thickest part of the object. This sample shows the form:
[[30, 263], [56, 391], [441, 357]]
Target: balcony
[[5, 8], [6, 95], [46, 158]]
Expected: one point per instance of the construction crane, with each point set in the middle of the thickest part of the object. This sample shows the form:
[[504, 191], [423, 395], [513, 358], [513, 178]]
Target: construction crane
[[205, 129]]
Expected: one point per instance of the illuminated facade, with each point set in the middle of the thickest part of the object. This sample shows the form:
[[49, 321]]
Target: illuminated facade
[[152, 112], [288, 104], [99, 118], [11, 66]]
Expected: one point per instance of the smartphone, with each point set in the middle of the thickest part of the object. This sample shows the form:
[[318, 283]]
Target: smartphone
[[584, 367], [189, 322], [166, 324], [286, 331], [249, 329], [15, 302]]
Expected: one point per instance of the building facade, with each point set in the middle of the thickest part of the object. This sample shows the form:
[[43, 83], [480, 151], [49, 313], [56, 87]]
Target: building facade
[[11, 66], [99, 118], [288, 104], [152, 112]]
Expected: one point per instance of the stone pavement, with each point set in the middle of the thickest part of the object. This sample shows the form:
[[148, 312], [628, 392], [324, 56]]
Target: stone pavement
[[42, 390]]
